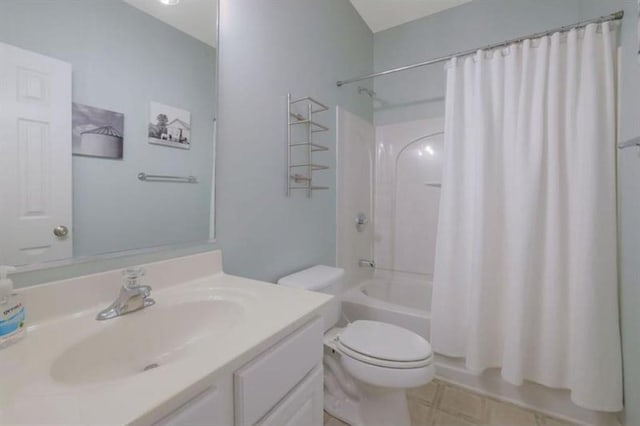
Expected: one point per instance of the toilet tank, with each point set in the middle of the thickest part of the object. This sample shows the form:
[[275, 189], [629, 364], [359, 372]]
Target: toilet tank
[[323, 279]]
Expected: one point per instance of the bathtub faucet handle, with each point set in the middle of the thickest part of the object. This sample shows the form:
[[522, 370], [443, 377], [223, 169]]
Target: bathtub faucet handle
[[361, 220], [366, 263]]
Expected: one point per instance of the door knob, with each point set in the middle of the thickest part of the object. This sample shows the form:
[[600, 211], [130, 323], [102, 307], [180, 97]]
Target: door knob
[[60, 231]]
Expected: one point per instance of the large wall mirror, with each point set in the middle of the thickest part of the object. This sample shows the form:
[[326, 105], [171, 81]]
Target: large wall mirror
[[107, 126]]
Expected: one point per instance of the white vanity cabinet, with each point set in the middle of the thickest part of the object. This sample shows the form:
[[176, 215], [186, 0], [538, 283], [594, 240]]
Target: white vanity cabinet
[[282, 386], [232, 351]]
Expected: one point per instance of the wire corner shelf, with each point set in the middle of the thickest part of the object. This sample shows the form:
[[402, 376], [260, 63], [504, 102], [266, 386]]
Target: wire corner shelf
[[300, 173]]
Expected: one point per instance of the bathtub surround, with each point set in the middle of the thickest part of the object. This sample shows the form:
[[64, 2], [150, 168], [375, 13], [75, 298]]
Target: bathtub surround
[[526, 270], [355, 158], [407, 195]]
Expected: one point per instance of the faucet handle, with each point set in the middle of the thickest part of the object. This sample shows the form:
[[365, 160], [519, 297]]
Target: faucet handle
[[133, 275]]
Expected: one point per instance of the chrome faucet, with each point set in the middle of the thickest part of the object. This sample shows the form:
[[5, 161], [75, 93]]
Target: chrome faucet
[[132, 297]]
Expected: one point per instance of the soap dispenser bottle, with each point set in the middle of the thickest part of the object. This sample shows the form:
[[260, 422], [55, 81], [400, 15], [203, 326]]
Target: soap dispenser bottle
[[11, 310]]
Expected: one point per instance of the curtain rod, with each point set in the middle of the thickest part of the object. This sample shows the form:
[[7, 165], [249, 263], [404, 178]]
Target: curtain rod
[[612, 17]]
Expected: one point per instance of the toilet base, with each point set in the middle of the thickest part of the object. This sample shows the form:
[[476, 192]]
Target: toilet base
[[360, 404], [343, 410], [341, 394], [384, 406]]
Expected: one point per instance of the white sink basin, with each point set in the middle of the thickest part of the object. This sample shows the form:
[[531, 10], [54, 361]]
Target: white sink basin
[[144, 340]]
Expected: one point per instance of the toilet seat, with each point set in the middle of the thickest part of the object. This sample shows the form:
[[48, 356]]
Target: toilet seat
[[384, 345], [382, 362]]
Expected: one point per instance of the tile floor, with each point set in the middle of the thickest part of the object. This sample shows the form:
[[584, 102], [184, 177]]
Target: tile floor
[[443, 404]]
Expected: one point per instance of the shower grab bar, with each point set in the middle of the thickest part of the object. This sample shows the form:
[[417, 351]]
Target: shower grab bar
[[630, 143], [167, 178]]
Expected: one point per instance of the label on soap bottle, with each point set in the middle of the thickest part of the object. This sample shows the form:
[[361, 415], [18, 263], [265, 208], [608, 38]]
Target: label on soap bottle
[[11, 316]]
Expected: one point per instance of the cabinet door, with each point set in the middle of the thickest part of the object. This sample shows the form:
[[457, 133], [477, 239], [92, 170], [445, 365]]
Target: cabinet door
[[303, 406], [267, 379], [213, 407]]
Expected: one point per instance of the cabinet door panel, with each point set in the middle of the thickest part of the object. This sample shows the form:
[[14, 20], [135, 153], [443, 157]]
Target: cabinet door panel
[[264, 381], [213, 407], [303, 406]]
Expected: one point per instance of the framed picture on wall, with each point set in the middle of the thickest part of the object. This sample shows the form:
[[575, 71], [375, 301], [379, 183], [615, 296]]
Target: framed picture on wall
[[169, 126], [97, 132]]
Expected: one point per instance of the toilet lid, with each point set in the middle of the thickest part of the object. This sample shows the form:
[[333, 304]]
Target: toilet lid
[[385, 341]]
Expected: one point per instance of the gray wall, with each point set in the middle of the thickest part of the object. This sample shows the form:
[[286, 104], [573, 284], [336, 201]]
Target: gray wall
[[122, 59], [269, 48], [420, 93]]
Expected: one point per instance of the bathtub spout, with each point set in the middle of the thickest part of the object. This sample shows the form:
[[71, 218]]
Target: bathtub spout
[[366, 263]]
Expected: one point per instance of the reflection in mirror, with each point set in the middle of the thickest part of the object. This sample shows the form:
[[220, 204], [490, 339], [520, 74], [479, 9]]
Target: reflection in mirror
[[107, 126]]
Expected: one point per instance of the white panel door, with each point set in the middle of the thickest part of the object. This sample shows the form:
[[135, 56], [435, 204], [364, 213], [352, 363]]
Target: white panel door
[[35, 157]]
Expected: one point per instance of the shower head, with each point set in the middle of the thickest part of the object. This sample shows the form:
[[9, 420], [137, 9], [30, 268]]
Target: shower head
[[369, 92]]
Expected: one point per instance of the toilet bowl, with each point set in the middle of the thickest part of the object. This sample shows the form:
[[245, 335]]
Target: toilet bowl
[[382, 360], [368, 364]]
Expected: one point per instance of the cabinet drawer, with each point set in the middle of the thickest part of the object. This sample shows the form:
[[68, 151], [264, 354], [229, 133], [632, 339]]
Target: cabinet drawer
[[264, 381], [303, 406]]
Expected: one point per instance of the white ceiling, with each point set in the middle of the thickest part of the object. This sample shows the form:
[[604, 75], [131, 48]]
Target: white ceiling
[[383, 14], [198, 18]]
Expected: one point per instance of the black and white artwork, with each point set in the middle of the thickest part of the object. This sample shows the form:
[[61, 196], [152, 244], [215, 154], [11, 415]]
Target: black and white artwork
[[169, 126], [97, 132]]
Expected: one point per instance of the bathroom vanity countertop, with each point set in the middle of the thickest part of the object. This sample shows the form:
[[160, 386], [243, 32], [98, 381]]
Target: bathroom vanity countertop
[[42, 379]]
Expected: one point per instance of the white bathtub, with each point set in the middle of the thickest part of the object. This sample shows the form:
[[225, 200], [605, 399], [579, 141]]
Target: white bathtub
[[395, 297]]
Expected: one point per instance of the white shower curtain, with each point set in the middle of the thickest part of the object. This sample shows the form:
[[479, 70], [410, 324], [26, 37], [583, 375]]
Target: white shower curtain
[[526, 273]]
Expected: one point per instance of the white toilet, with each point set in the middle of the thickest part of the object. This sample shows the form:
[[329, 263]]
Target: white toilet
[[368, 364]]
